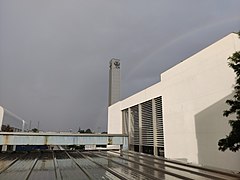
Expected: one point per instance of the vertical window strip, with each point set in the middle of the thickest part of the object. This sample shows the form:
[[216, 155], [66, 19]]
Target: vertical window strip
[[147, 124], [159, 117]]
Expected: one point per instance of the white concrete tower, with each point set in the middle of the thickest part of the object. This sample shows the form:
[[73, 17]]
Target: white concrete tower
[[114, 81]]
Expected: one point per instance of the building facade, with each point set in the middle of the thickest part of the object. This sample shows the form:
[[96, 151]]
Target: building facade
[[180, 117], [114, 81]]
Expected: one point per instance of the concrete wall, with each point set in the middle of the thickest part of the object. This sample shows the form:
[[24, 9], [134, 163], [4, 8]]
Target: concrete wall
[[1, 116], [194, 99], [194, 94], [115, 117]]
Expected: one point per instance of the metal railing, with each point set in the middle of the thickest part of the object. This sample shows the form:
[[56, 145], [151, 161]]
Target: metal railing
[[20, 138]]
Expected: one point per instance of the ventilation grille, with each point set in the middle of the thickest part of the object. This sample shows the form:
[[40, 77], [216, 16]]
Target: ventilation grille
[[125, 121], [147, 124], [159, 122], [135, 117], [131, 123]]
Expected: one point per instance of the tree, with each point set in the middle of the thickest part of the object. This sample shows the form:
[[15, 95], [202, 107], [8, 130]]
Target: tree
[[35, 130], [80, 130], [88, 131], [232, 141], [7, 128]]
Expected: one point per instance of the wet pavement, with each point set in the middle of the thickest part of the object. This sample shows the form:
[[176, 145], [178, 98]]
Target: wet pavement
[[71, 165]]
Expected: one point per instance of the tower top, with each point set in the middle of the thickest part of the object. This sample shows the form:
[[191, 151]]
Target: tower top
[[115, 63], [114, 81]]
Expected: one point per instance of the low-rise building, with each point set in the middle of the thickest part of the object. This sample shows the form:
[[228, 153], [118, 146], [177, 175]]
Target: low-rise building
[[181, 117]]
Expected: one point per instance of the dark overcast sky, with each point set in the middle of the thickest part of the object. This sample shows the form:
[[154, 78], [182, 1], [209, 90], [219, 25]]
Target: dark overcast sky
[[54, 54]]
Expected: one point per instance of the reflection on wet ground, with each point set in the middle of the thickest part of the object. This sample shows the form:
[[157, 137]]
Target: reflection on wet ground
[[70, 165]]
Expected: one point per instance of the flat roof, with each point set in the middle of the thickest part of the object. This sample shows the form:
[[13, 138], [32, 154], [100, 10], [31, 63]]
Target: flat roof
[[73, 164]]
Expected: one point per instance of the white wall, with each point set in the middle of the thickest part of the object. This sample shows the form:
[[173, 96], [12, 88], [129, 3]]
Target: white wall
[[1, 116], [115, 119], [194, 99], [194, 94]]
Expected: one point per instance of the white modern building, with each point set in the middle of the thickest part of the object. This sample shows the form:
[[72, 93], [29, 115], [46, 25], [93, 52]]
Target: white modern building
[[181, 117]]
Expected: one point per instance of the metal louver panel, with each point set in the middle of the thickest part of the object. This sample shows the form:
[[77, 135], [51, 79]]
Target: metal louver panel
[[125, 123], [135, 117], [131, 129], [159, 122], [147, 124]]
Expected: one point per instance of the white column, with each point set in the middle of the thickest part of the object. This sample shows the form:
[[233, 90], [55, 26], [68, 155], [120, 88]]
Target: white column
[[4, 147], [140, 126], [129, 129]]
